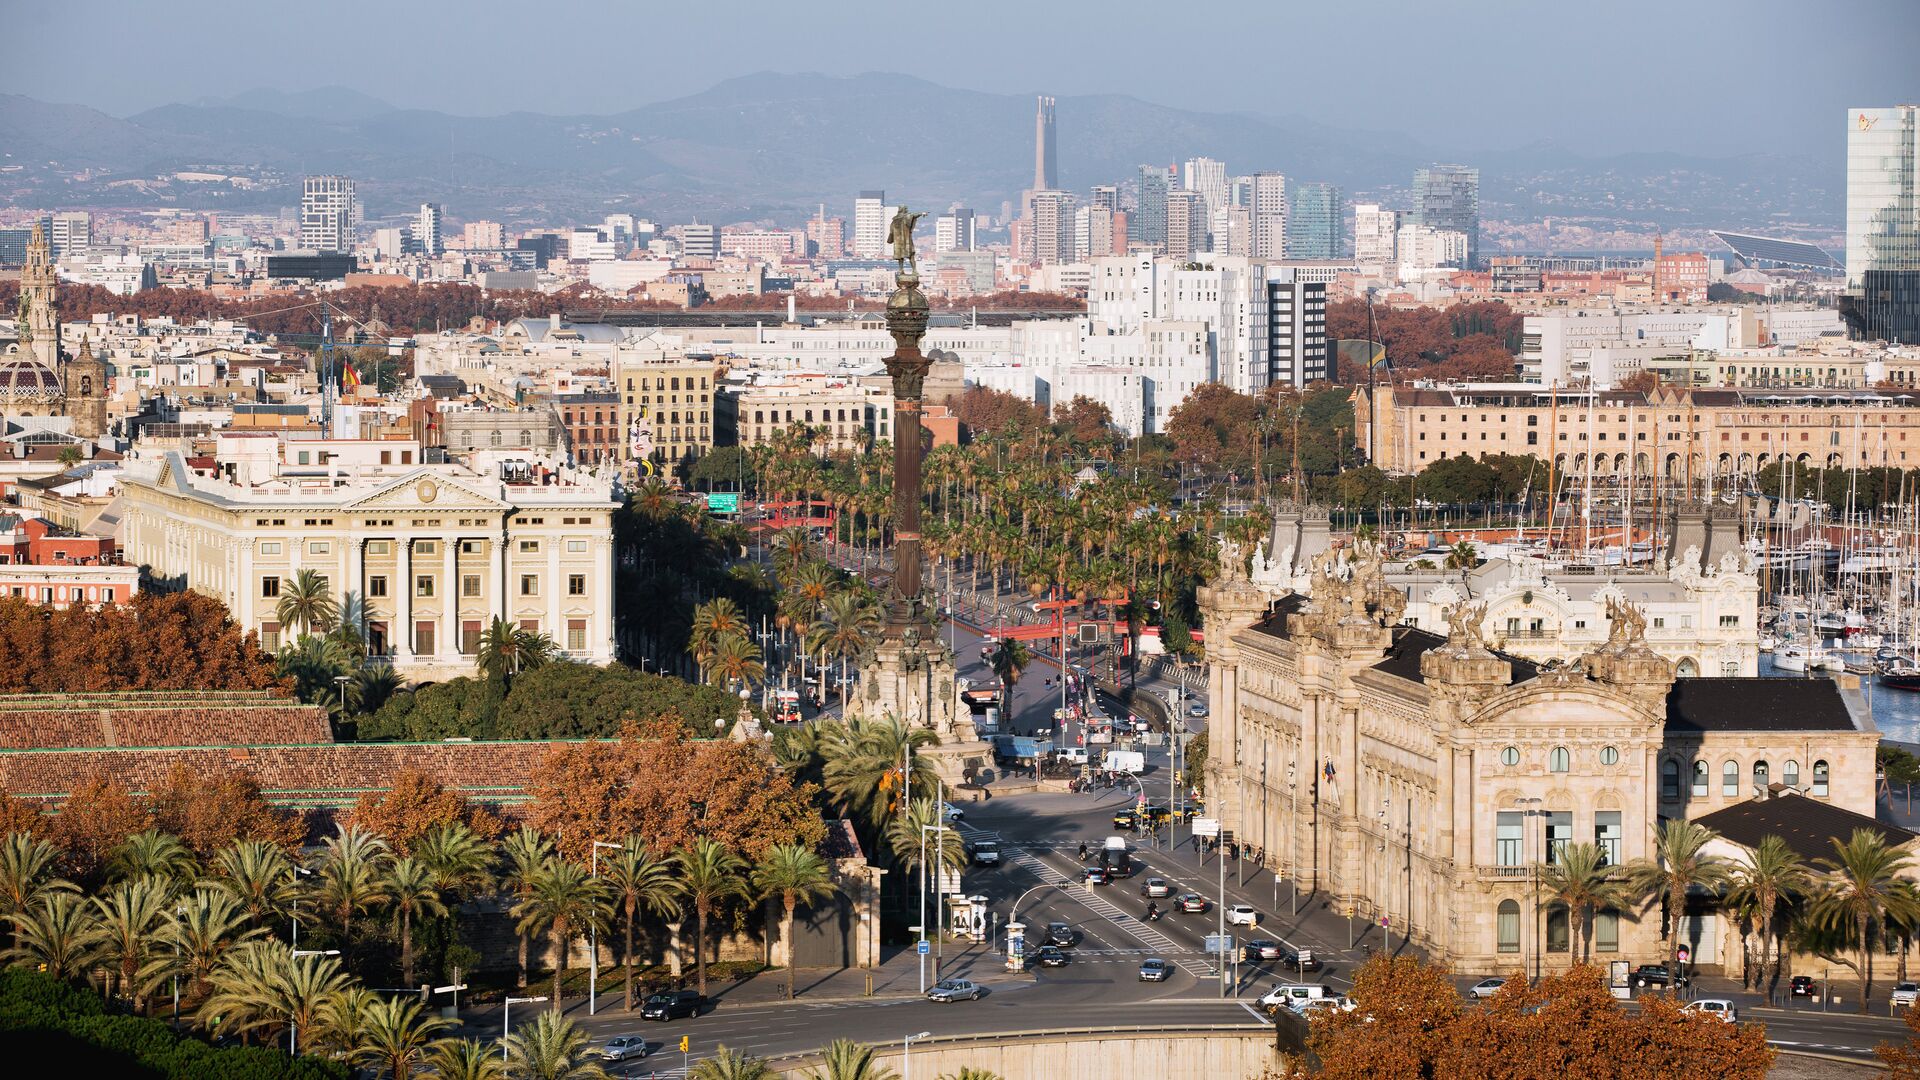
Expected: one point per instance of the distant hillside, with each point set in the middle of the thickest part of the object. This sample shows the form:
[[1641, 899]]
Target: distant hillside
[[772, 146]]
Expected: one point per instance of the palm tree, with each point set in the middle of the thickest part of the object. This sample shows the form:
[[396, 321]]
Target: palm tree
[[410, 890], [305, 603], [845, 1059], [198, 934], [1860, 891], [258, 875], [314, 663], [1581, 879], [152, 854], [551, 1048], [714, 621], [507, 649], [459, 858], [563, 901], [1463, 555], [374, 685], [1010, 660], [735, 661], [27, 872], [57, 934], [730, 1064], [129, 918], [464, 1059], [1679, 865], [396, 1036], [340, 1023], [709, 872], [846, 630], [261, 984], [866, 762], [525, 852], [797, 875], [968, 1072], [349, 879], [639, 881], [1769, 882]]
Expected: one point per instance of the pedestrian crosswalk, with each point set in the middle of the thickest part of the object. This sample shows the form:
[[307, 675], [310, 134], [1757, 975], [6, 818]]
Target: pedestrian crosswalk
[[1158, 944]]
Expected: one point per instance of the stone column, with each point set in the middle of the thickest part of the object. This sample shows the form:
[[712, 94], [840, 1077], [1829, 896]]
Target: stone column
[[600, 592], [354, 580], [449, 643], [907, 314], [402, 633], [241, 602], [556, 623], [497, 574]]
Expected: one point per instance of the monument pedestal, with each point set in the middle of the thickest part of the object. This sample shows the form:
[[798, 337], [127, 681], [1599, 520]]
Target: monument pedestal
[[912, 680]]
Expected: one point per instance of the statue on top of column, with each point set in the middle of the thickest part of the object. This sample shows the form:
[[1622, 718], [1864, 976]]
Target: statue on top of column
[[900, 235]]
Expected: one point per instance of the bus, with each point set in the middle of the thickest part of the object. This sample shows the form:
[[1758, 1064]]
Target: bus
[[786, 706]]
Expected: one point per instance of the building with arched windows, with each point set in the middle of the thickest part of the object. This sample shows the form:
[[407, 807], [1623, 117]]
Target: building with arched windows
[[1425, 778]]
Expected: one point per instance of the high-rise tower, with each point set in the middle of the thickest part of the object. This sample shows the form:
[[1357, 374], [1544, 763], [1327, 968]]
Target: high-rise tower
[[1447, 197], [1882, 297], [1045, 173]]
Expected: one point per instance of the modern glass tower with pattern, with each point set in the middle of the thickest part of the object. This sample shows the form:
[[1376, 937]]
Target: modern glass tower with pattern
[[1882, 298]]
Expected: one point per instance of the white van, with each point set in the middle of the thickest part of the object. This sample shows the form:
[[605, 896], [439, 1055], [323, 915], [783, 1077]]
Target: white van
[[1292, 995], [1076, 755], [1126, 761]]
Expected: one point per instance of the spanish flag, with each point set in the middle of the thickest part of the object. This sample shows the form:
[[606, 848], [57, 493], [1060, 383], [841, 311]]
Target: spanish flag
[[349, 378]]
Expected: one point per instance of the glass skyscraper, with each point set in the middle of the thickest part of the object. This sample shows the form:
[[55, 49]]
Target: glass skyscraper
[[1448, 197], [1149, 223], [1313, 230], [1882, 299]]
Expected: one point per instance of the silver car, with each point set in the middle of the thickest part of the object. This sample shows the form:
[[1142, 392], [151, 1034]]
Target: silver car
[[1485, 988], [954, 990], [623, 1047]]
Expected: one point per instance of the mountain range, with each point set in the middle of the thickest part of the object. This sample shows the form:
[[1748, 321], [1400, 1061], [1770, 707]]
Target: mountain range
[[771, 146]]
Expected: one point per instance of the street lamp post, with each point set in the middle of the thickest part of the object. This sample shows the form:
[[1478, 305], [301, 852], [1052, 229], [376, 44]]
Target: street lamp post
[[906, 1054], [1293, 836], [293, 1022], [299, 872], [506, 1022], [1533, 876], [593, 934]]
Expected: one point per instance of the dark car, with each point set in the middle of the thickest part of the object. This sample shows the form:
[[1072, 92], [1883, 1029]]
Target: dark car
[[1052, 956], [1155, 970], [1301, 960], [1097, 875], [1802, 986], [1656, 975], [669, 1004], [1060, 935], [1193, 903], [1260, 949], [1124, 820]]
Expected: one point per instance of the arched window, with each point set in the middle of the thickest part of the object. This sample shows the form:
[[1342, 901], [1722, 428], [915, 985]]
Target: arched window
[[1558, 760], [1699, 779], [1762, 776], [1559, 929], [1820, 778], [1670, 779], [1790, 774], [1730, 779], [1508, 921], [1687, 669], [1510, 755]]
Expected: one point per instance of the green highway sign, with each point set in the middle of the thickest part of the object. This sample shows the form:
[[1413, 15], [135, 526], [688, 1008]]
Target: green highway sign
[[723, 502]]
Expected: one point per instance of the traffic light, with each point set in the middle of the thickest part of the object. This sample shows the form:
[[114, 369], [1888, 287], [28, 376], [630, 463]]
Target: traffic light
[[684, 1043]]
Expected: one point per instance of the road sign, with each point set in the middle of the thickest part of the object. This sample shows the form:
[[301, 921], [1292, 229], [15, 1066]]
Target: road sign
[[449, 989], [1206, 826], [684, 1043], [1218, 943], [923, 949], [723, 502]]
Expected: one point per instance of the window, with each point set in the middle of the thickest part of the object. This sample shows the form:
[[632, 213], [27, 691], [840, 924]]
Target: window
[[470, 547], [1559, 834], [576, 584], [1559, 925], [470, 636], [1509, 837], [423, 585], [1609, 755], [1730, 779], [423, 638], [1510, 756], [269, 587], [1820, 779], [270, 547], [576, 546], [424, 547], [470, 585], [377, 585], [529, 584], [1760, 776], [1558, 760], [1790, 774], [1606, 931], [378, 547], [1606, 834], [1508, 926], [576, 635], [319, 547], [270, 636], [1727, 621], [1699, 779], [529, 546]]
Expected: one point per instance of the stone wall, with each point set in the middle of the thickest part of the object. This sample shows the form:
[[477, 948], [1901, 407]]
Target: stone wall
[[166, 718], [1181, 1055]]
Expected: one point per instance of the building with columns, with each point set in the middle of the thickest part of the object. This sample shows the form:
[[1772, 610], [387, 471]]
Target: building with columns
[[433, 552], [1424, 781]]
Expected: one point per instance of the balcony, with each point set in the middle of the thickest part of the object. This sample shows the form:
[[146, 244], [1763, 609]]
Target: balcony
[[1502, 873]]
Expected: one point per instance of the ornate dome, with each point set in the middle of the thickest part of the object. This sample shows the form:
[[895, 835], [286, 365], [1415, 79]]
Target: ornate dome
[[22, 375]]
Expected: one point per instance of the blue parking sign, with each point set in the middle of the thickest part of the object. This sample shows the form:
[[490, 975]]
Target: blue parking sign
[[923, 948]]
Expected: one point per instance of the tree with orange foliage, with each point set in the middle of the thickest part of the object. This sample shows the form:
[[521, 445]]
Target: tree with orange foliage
[[19, 815], [157, 641], [97, 816], [984, 409], [660, 785], [208, 810], [415, 804], [1409, 1021], [1085, 420], [1903, 1059]]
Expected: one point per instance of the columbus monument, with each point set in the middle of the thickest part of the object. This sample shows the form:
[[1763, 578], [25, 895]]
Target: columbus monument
[[909, 674]]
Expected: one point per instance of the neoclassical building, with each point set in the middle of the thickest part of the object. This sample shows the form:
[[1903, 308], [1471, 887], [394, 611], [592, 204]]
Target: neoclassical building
[[1422, 779]]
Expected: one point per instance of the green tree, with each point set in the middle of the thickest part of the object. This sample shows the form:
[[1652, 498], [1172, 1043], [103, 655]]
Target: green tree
[[507, 649], [1861, 889], [640, 882], [709, 873], [564, 902], [552, 1048], [1009, 661], [314, 664], [845, 1059], [199, 932], [263, 985], [459, 859], [797, 876], [464, 1059], [397, 1036], [1679, 865], [730, 1064], [735, 661], [130, 917], [524, 853], [259, 876], [866, 763], [349, 880], [1581, 879], [58, 934], [410, 889], [1769, 881], [305, 603], [153, 854], [27, 872], [847, 628]]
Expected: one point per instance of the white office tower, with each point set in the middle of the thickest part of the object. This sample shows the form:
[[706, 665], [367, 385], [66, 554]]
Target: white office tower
[[1422, 247], [1186, 224], [1225, 294], [1209, 178], [71, 233], [1374, 232], [1093, 232], [953, 231], [1107, 196], [1297, 348], [1050, 227], [700, 241], [1269, 215], [326, 214], [426, 230], [870, 220]]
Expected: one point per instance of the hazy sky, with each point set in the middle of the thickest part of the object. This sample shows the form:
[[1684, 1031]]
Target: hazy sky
[[1708, 76]]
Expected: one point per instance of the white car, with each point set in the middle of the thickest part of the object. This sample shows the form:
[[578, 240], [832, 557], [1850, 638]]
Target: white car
[[1719, 1007], [1905, 994], [1242, 915], [1485, 988], [953, 812], [622, 1047], [1293, 995], [1156, 888], [1339, 1002]]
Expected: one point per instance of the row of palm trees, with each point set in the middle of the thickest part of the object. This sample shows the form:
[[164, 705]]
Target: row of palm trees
[[1859, 900], [843, 1059]]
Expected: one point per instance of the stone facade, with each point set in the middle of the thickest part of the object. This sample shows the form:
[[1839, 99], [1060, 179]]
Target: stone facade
[[1416, 778]]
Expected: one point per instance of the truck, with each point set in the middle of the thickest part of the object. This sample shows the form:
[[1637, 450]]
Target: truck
[[1126, 761], [1115, 859], [1018, 748]]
